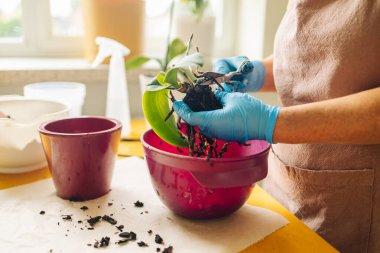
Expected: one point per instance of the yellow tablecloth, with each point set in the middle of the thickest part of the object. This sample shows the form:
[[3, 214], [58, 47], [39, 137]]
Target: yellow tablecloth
[[294, 237]]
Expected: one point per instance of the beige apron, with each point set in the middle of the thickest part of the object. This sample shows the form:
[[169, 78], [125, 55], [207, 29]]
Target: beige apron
[[326, 49]]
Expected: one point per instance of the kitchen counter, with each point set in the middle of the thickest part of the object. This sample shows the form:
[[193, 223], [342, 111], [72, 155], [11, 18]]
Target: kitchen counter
[[294, 237]]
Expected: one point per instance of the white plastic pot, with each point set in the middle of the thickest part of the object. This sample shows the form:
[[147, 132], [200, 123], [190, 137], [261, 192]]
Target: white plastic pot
[[70, 93], [20, 145]]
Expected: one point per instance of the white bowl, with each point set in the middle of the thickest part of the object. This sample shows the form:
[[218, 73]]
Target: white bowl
[[20, 145]]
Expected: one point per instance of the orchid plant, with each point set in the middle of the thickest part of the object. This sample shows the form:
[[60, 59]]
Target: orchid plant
[[156, 98]]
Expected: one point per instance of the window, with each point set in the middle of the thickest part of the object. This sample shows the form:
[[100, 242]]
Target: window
[[40, 28], [10, 18], [49, 28], [66, 18]]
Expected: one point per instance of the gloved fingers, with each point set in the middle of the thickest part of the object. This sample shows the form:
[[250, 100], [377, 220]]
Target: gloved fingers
[[238, 86], [214, 125], [226, 65], [184, 111], [224, 125], [247, 67], [227, 87], [236, 61], [246, 71], [257, 77], [253, 80], [221, 66], [221, 96], [233, 86]]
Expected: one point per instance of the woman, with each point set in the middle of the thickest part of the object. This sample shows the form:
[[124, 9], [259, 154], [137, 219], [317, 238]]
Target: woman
[[325, 167]]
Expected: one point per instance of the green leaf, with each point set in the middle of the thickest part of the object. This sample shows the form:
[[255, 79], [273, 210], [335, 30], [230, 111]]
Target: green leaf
[[161, 78], [188, 73], [200, 6], [155, 84], [156, 107], [196, 6], [195, 60], [136, 62], [153, 81], [171, 78], [176, 47], [156, 87]]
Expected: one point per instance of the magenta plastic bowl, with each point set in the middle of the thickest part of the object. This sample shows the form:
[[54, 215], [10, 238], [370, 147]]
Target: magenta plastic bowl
[[198, 188]]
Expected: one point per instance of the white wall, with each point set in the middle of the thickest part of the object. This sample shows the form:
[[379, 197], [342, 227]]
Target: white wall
[[250, 28], [258, 21]]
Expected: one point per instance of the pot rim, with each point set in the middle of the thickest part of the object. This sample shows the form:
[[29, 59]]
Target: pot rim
[[191, 158], [42, 127], [65, 108]]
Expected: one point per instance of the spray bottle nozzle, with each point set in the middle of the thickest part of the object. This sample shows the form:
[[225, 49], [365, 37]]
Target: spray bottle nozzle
[[108, 47]]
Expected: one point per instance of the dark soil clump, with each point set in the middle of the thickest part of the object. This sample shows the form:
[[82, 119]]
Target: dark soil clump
[[142, 244], [120, 228], [104, 242], [109, 219], [92, 221], [66, 217], [129, 235], [201, 98], [158, 239], [138, 204], [168, 249]]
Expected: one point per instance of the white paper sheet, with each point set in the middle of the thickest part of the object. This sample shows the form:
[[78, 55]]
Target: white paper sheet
[[24, 229]]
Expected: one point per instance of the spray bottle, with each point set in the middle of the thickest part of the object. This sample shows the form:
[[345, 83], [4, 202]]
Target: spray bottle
[[117, 106]]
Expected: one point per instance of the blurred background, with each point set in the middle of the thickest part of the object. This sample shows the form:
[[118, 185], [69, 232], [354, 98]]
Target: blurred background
[[54, 40]]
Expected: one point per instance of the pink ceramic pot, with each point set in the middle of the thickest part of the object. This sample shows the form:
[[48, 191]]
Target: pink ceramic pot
[[198, 188], [81, 154]]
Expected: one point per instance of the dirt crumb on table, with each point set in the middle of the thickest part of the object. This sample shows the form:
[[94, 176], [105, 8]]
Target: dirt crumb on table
[[138, 204]]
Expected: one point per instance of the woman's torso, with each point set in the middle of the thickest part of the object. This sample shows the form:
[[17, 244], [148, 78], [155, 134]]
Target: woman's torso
[[327, 49]]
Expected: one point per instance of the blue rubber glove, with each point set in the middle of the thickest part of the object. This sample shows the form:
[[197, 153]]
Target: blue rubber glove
[[242, 83], [242, 118]]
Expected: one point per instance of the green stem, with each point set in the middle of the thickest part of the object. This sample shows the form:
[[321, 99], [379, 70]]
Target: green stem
[[163, 67]]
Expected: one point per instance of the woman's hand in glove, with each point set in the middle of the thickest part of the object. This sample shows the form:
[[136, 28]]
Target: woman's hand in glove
[[253, 81], [242, 118]]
